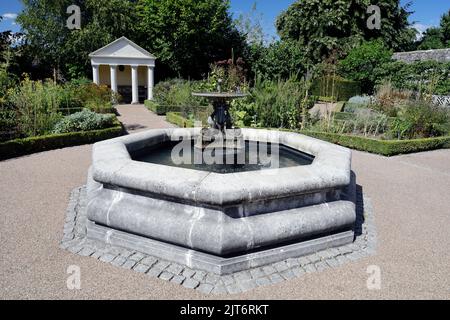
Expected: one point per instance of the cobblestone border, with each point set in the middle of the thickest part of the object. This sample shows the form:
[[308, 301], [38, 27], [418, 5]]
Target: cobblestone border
[[75, 241]]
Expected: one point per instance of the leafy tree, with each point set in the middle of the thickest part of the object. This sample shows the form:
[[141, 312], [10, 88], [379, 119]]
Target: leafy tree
[[445, 28], [437, 37], [43, 22], [103, 21], [187, 35], [362, 62], [280, 60], [432, 39], [323, 25], [66, 51]]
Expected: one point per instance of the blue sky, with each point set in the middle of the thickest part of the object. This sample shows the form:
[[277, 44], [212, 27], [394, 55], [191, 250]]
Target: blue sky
[[427, 12]]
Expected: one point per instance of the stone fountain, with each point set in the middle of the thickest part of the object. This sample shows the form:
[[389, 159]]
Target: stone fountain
[[226, 220]]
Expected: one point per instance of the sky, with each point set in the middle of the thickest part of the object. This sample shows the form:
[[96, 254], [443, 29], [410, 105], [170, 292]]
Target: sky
[[427, 12]]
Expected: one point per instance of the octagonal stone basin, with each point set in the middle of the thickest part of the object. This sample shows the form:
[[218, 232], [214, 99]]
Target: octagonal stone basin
[[223, 215]]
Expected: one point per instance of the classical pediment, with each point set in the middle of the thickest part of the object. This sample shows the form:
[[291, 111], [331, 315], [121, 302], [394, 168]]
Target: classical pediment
[[122, 48]]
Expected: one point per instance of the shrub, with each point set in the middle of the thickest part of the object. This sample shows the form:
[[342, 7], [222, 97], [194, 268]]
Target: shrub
[[279, 61], [277, 103], [8, 123], [416, 76], [357, 102], [361, 62], [19, 147], [37, 105], [177, 92], [419, 119], [97, 98], [84, 120], [389, 99]]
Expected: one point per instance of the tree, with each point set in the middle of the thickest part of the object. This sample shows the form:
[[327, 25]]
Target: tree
[[280, 60], [431, 39], [322, 26], [187, 35], [437, 37], [43, 22], [103, 22], [64, 50], [445, 28], [362, 62]]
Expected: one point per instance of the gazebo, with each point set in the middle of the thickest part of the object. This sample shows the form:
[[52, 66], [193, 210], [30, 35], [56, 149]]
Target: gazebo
[[123, 62]]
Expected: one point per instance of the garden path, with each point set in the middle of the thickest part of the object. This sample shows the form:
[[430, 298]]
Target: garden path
[[137, 118]]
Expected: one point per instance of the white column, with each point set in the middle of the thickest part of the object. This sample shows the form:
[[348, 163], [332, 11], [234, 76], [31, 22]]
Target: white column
[[95, 74], [150, 82], [134, 84], [113, 72]]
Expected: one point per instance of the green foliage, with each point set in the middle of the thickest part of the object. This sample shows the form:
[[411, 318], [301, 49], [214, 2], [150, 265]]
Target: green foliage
[[19, 147], [383, 147], [178, 119], [37, 105], [337, 88], [421, 120], [278, 103], [416, 76], [365, 122], [324, 25], [229, 75], [177, 93], [437, 37], [432, 39], [84, 120], [188, 35], [361, 62], [34, 107], [64, 50], [279, 60]]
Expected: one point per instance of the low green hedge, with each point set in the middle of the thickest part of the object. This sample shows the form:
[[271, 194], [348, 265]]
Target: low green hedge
[[159, 109], [20, 147], [177, 119], [382, 147], [164, 109]]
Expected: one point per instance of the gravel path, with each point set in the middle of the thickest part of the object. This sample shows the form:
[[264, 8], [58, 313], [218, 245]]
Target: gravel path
[[410, 196]]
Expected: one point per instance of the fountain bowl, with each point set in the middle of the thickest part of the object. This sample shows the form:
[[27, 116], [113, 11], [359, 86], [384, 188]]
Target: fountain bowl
[[222, 223]]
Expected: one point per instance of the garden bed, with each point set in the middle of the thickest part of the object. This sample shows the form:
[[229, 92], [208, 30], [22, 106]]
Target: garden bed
[[382, 147], [24, 146]]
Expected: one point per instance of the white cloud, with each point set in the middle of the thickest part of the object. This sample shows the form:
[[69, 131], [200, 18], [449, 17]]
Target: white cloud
[[9, 16], [421, 28]]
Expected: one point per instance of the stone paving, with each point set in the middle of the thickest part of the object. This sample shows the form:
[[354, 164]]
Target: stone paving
[[75, 241]]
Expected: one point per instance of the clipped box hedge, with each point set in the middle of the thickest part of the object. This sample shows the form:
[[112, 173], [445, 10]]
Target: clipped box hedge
[[177, 119], [159, 109], [20, 147], [383, 147]]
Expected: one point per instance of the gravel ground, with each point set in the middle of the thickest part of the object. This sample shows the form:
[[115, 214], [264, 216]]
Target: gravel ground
[[412, 216]]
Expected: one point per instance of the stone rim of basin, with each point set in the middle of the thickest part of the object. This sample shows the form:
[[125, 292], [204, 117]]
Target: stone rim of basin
[[112, 165]]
